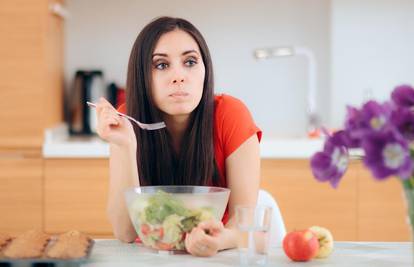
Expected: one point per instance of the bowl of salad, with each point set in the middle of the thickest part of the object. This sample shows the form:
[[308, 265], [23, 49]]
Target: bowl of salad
[[162, 215]]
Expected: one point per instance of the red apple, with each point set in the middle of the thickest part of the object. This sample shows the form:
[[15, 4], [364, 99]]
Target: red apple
[[301, 245]]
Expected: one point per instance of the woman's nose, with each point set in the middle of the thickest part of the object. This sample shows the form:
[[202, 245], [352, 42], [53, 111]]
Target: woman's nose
[[178, 80], [178, 75]]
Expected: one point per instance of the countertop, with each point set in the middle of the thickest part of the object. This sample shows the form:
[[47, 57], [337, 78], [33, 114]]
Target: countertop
[[58, 144], [115, 253]]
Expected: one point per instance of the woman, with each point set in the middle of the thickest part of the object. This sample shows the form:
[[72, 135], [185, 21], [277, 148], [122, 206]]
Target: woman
[[209, 140]]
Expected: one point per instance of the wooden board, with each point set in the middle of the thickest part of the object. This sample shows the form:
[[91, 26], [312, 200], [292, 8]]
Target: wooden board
[[31, 72], [305, 202], [21, 176], [382, 214], [76, 195]]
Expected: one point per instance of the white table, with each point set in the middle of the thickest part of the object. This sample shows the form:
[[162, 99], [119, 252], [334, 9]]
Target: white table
[[376, 254]]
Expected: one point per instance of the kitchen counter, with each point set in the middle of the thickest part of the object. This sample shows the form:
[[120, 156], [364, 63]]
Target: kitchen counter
[[116, 253], [58, 144]]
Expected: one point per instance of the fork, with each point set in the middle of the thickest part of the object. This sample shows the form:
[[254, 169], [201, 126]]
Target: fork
[[144, 126]]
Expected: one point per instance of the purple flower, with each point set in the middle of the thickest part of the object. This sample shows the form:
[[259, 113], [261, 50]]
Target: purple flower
[[403, 119], [385, 131], [387, 154], [331, 164], [403, 96], [353, 125], [343, 138], [373, 117]]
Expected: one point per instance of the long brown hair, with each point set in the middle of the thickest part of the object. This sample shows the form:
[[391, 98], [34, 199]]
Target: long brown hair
[[157, 162]]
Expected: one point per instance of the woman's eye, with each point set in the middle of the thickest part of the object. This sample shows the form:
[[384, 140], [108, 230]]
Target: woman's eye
[[190, 62], [161, 66]]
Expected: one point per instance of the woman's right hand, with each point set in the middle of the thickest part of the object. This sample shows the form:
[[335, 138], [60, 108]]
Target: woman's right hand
[[113, 128]]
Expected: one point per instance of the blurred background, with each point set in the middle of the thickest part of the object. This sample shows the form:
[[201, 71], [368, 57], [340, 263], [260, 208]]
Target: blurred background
[[55, 55], [362, 49]]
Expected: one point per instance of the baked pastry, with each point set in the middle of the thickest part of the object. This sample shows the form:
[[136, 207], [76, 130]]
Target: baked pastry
[[30, 244], [4, 239], [69, 245]]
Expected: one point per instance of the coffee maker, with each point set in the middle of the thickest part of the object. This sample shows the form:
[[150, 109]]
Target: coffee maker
[[89, 86]]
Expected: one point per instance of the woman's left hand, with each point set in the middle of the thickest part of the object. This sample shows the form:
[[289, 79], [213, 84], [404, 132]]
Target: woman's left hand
[[204, 240]]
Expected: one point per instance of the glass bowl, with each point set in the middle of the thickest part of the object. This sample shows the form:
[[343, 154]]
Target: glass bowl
[[162, 215]]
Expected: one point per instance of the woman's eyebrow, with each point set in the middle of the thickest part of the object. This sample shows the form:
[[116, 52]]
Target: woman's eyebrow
[[188, 52], [159, 54], [184, 53]]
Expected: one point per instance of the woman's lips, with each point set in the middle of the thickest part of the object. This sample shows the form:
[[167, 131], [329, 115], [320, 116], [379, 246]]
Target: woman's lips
[[179, 94]]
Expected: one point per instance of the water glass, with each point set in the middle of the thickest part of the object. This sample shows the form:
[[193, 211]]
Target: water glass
[[253, 223]]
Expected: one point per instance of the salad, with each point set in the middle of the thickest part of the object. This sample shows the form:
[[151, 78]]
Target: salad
[[162, 220]]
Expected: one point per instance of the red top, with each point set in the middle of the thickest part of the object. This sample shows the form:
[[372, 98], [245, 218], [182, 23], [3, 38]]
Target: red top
[[233, 125]]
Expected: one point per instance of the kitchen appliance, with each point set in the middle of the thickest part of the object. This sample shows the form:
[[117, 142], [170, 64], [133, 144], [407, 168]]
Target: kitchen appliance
[[89, 86]]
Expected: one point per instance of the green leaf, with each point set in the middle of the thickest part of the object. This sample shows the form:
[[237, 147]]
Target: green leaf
[[189, 223], [161, 205]]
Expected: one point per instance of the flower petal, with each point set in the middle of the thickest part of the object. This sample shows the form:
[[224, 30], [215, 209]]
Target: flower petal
[[403, 119], [331, 164], [403, 96], [384, 150], [320, 163]]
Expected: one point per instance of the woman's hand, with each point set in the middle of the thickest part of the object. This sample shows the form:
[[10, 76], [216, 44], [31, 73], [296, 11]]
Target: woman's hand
[[199, 243], [113, 128]]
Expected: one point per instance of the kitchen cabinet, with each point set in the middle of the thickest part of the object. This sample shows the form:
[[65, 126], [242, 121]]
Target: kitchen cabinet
[[75, 196], [31, 72], [381, 209], [359, 209], [31, 76], [305, 202], [21, 176]]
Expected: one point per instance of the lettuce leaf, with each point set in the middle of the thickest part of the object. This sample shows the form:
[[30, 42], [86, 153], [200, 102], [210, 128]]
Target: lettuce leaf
[[161, 205]]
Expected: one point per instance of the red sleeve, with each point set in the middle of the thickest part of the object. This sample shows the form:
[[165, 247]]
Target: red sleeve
[[235, 124], [122, 108]]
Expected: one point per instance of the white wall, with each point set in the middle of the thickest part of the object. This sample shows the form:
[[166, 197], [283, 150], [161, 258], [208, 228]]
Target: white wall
[[372, 51], [100, 34]]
